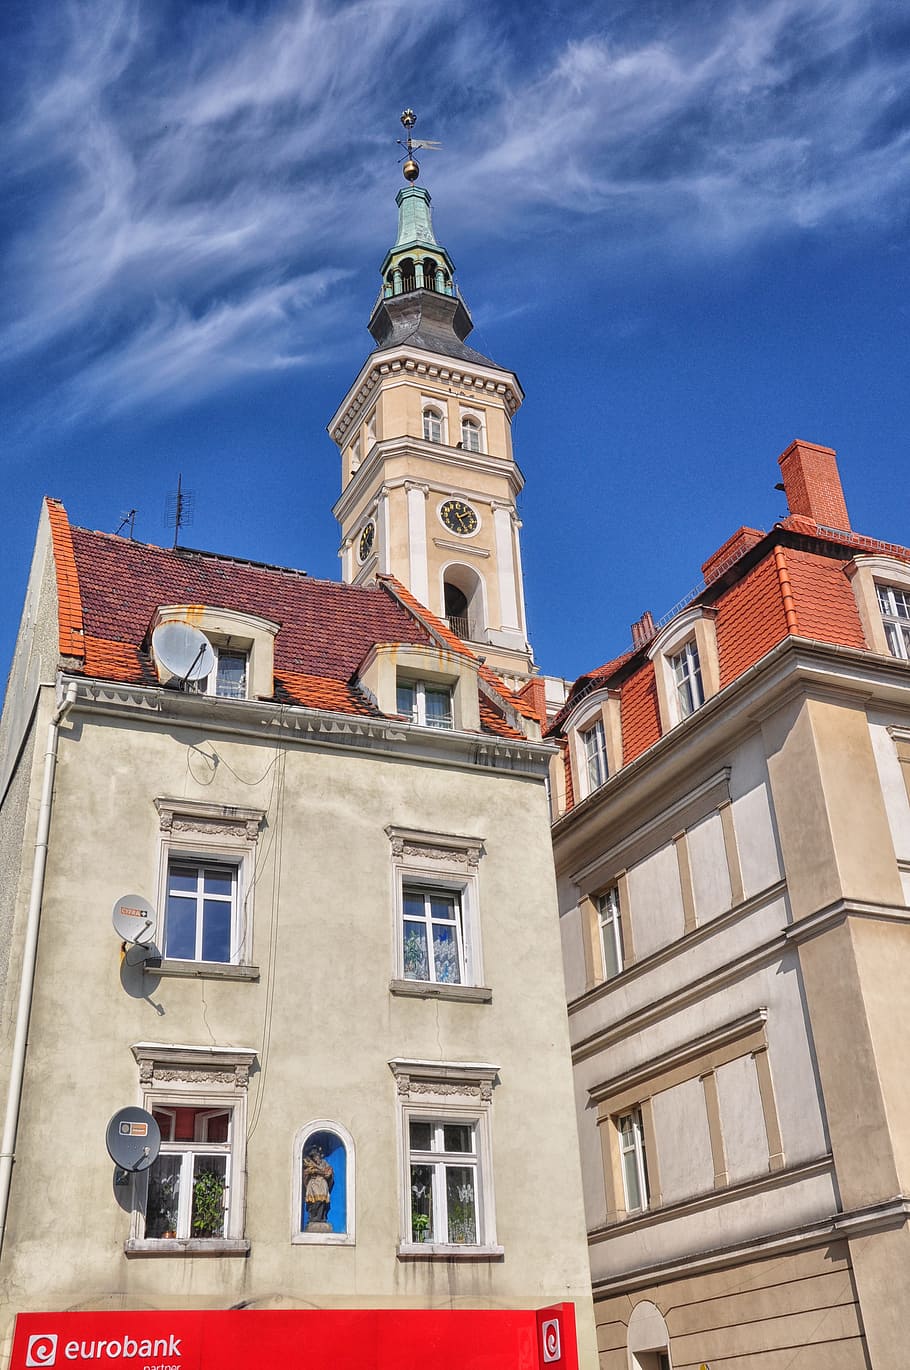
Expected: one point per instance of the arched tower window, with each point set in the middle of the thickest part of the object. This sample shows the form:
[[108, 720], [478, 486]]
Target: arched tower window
[[323, 1193], [408, 274], [462, 592], [470, 434], [432, 424]]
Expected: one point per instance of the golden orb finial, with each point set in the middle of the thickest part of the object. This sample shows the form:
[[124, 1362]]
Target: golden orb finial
[[410, 170]]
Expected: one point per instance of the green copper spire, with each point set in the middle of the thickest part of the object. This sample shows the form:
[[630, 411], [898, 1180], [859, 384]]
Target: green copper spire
[[416, 261]]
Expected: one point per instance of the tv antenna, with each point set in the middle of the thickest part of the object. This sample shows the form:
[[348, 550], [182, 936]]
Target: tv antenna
[[411, 170], [127, 519], [184, 651], [179, 509]]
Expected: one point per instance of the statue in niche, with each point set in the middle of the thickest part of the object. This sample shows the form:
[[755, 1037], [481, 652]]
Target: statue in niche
[[318, 1179]]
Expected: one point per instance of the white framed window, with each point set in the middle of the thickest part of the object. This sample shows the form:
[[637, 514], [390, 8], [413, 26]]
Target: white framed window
[[207, 877], [201, 918], [433, 424], [609, 923], [191, 1199], [323, 1195], [686, 668], [437, 925], [229, 678], [429, 706], [894, 605], [447, 1202], [633, 1160], [594, 742], [444, 1181], [189, 1184], [432, 939], [471, 434]]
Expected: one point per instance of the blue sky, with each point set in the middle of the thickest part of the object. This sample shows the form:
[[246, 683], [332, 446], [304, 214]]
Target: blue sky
[[683, 224]]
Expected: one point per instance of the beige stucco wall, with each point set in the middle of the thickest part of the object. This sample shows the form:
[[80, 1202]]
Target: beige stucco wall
[[321, 1019]]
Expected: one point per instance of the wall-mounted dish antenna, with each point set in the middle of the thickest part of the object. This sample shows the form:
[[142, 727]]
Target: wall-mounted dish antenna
[[133, 1139], [134, 919], [183, 650]]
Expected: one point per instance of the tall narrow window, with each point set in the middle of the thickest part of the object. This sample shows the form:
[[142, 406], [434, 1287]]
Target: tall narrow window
[[189, 1183], [610, 932], [470, 435], [634, 1161], [432, 425], [433, 944], [595, 745], [894, 604], [201, 912], [444, 1181], [686, 669]]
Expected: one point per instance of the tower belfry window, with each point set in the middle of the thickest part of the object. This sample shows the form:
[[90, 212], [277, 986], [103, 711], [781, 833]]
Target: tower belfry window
[[432, 425], [470, 435]]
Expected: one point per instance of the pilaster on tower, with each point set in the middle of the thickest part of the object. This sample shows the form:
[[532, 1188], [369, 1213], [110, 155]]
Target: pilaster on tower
[[429, 480]]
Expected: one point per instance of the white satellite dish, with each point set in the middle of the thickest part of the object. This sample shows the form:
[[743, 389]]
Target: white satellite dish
[[134, 919], [183, 650]]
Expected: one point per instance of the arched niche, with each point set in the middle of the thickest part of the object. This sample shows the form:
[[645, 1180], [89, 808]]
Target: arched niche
[[323, 1174], [464, 601], [649, 1340]]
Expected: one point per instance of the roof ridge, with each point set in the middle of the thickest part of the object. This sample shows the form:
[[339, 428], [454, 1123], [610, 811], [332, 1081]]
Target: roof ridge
[[70, 626]]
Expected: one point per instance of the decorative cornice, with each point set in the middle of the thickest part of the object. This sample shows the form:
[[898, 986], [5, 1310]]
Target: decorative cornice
[[161, 1063], [434, 847], [411, 363], [469, 1079], [210, 820], [832, 915]]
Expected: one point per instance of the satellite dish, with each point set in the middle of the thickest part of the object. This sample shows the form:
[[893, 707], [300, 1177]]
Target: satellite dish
[[134, 919], [183, 650], [133, 1139]]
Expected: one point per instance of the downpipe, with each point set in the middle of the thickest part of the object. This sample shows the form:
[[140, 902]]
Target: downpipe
[[29, 957]]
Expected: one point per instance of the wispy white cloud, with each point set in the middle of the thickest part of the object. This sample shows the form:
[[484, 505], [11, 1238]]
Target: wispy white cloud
[[185, 179]]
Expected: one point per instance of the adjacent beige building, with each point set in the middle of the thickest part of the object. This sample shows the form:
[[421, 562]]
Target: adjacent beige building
[[732, 843]]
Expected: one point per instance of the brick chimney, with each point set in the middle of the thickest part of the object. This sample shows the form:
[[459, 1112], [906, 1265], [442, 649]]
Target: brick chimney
[[643, 630], [812, 484]]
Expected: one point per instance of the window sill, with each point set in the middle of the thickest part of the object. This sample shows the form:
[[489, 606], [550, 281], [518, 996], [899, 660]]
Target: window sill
[[427, 989], [322, 1239], [202, 970], [195, 1246], [445, 1251]]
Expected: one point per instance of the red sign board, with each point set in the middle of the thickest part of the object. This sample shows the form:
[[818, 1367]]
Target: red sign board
[[305, 1339]]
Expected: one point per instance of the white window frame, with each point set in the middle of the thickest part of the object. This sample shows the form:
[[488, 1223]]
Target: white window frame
[[601, 707], [594, 744], [427, 922], [458, 1093], [636, 1153], [685, 666], [299, 1237], [451, 865], [200, 834], [189, 1152], [894, 607], [609, 923], [214, 1079], [419, 707], [201, 865], [434, 414], [438, 1161], [209, 685]]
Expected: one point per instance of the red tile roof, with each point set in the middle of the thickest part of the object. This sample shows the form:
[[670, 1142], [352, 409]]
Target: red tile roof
[[109, 589]]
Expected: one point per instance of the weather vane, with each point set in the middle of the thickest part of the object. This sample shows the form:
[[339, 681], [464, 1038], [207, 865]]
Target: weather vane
[[410, 169]]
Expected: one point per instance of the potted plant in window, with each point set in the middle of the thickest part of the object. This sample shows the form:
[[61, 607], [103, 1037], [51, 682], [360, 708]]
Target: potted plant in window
[[208, 1204], [420, 1225]]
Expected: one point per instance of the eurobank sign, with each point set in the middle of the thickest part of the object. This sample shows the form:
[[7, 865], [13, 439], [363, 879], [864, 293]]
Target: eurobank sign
[[312, 1339]]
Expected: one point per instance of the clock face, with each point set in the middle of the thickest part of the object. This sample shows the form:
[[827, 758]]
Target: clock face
[[367, 538], [459, 517]]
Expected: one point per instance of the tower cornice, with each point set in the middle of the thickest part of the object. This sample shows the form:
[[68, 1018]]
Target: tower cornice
[[413, 363], [451, 459]]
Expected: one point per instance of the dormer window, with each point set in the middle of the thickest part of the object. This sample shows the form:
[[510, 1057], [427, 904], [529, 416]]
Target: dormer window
[[429, 706], [470, 435], [594, 742], [686, 668], [894, 603], [433, 425], [686, 664], [229, 678]]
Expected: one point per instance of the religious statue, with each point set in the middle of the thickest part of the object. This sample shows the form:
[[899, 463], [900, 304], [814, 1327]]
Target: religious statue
[[318, 1179]]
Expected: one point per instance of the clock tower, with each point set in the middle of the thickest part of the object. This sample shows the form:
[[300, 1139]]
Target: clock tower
[[429, 481]]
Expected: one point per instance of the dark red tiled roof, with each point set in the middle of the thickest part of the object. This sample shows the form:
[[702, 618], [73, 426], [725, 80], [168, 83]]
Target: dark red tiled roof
[[109, 589]]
